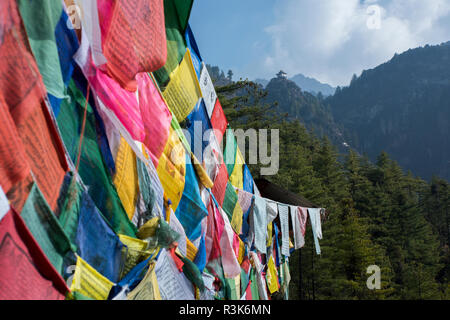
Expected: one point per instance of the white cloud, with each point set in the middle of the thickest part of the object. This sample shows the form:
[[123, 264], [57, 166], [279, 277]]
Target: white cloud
[[330, 39]]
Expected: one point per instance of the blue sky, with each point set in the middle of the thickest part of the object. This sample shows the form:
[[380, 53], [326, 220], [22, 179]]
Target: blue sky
[[326, 39]]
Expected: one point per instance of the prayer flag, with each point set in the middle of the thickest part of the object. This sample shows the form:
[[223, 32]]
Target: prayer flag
[[183, 91], [26, 273], [134, 39]]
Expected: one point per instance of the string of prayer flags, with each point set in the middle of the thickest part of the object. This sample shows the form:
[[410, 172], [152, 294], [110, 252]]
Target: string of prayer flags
[[110, 150]]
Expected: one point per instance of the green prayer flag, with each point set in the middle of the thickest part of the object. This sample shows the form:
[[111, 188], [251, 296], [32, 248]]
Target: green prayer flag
[[40, 19], [231, 289], [230, 200], [176, 14], [46, 229], [254, 285], [70, 209], [229, 155]]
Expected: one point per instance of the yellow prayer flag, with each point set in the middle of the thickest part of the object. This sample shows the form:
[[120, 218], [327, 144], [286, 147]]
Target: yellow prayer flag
[[236, 219], [149, 228], [136, 252], [272, 276], [148, 288], [237, 176], [241, 253], [201, 172], [89, 282], [269, 234], [172, 169], [237, 281], [126, 177], [191, 250], [183, 91]]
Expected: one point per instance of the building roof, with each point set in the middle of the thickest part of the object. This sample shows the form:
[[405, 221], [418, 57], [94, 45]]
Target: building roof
[[271, 191]]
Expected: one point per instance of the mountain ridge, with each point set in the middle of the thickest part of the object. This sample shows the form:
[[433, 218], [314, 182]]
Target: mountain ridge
[[402, 107], [305, 83]]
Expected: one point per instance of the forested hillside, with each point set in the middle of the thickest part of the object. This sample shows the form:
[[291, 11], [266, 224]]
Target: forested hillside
[[403, 108], [376, 213], [295, 104]]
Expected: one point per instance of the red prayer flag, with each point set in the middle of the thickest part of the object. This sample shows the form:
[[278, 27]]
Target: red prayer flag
[[22, 95], [215, 226], [248, 291], [219, 121], [26, 274], [134, 38], [12, 166], [156, 117], [220, 184]]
